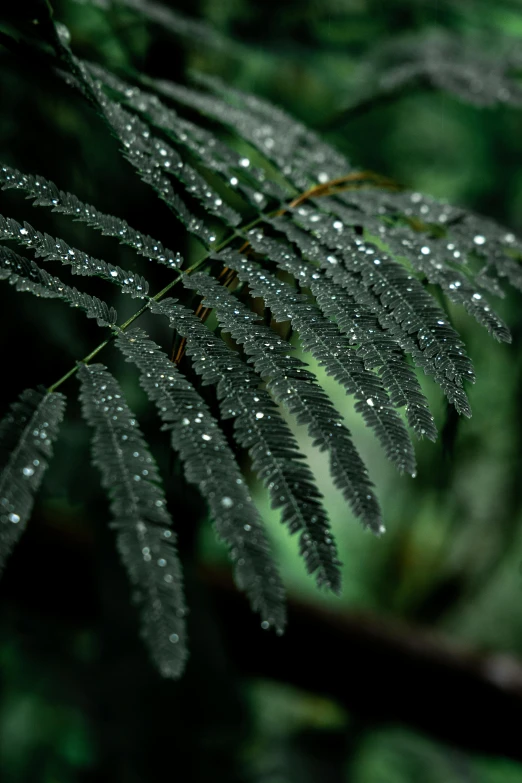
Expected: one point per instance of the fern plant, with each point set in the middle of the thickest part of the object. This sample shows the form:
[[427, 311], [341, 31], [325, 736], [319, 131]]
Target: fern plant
[[295, 241]]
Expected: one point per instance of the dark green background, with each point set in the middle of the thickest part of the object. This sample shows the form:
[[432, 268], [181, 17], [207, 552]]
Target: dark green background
[[79, 699]]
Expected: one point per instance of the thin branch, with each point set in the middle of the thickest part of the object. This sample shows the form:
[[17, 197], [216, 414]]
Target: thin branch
[[376, 100]]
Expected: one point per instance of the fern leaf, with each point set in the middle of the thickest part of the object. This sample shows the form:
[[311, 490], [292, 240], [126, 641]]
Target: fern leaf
[[134, 135], [428, 256], [26, 275], [44, 246], [322, 339], [156, 160], [145, 539], [271, 445], [303, 157], [440, 350], [26, 436], [446, 61], [379, 351], [210, 465], [251, 181], [261, 136], [351, 284], [463, 233], [501, 250], [149, 162], [295, 387], [452, 387], [45, 194], [376, 347]]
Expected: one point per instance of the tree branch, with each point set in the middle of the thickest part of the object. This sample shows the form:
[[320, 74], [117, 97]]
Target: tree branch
[[382, 670]]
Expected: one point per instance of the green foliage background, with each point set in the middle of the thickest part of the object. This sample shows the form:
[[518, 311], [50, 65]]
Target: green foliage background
[[71, 706]]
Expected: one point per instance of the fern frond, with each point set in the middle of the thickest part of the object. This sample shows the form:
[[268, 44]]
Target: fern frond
[[259, 428], [292, 385], [428, 255], [26, 275], [464, 234], [134, 136], [442, 260], [440, 352], [348, 283], [379, 351], [410, 343], [210, 464], [500, 250], [27, 433], [156, 160], [376, 346], [448, 62], [251, 181], [331, 350], [44, 246], [297, 151], [276, 139], [46, 194], [145, 539], [150, 163]]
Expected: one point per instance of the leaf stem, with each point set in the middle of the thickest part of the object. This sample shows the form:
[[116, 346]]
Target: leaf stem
[[333, 186], [86, 359]]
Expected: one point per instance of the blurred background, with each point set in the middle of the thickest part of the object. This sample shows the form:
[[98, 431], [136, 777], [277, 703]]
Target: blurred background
[[415, 673]]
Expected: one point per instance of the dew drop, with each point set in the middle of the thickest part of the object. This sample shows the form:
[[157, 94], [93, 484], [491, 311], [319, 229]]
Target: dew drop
[[479, 239], [227, 502]]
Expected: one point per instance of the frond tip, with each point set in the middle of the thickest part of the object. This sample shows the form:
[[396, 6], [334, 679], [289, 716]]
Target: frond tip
[[259, 428], [26, 436], [145, 539], [210, 464]]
